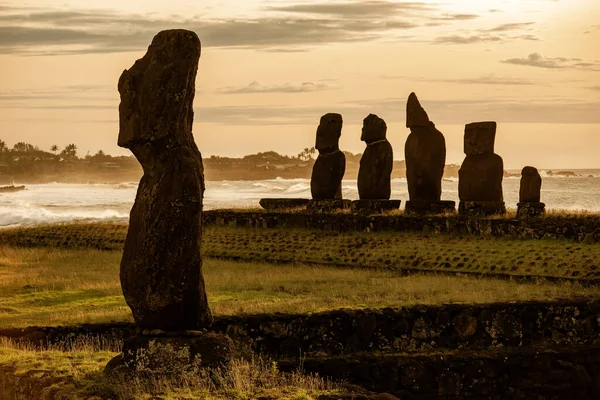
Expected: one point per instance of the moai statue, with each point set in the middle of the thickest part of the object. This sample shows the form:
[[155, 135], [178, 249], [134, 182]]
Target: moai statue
[[375, 173], [530, 193], [481, 173], [329, 168], [161, 267], [425, 155]]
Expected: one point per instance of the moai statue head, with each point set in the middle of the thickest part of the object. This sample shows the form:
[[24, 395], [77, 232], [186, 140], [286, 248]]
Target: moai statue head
[[157, 94], [374, 129], [329, 132], [415, 114], [479, 138]]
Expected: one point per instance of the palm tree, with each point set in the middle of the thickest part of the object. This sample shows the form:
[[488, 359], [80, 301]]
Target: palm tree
[[69, 152], [54, 148], [2, 146]]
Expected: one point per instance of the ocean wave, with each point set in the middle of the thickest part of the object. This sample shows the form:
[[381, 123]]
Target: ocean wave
[[36, 216]]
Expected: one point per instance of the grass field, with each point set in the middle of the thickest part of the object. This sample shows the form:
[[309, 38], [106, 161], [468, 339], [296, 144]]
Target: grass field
[[49, 287], [389, 250], [27, 373]]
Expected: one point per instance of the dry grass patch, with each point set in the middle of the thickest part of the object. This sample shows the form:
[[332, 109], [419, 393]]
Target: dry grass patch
[[27, 373]]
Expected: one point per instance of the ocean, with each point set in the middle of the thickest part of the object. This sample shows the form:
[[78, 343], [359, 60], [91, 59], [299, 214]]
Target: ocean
[[59, 202]]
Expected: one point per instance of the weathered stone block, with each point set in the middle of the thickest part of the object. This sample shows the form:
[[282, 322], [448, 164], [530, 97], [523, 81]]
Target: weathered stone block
[[531, 210], [323, 205], [375, 206], [430, 208], [282, 204], [165, 354], [481, 208]]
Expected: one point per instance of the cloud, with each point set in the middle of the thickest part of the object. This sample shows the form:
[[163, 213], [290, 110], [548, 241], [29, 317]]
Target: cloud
[[490, 79], [51, 31], [596, 88], [64, 31], [259, 87], [540, 61], [511, 27], [458, 39], [442, 112], [457, 17], [354, 9]]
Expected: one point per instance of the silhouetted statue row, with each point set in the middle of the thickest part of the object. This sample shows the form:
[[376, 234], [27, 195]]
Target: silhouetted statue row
[[480, 176]]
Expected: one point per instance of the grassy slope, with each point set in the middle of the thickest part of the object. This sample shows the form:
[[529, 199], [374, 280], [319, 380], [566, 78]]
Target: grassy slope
[[451, 253], [63, 287], [28, 373]]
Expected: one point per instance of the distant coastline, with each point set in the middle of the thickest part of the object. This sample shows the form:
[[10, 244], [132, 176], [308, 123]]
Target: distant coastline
[[29, 165]]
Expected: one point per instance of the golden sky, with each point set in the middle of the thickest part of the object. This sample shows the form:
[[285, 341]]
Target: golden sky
[[269, 69]]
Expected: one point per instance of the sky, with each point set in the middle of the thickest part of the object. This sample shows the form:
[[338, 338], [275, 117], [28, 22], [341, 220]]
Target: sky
[[270, 68]]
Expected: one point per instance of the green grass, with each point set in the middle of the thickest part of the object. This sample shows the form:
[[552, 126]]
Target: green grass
[[28, 373], [49, 287], [407, 251], [391, 250]]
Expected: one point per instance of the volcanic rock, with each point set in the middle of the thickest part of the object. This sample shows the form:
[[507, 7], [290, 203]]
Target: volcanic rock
[[161, 268]]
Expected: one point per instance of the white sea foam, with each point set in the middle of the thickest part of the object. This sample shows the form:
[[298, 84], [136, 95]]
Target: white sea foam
[[58, 202]]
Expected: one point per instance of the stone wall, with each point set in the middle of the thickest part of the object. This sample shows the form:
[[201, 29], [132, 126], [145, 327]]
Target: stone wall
[[414, 329], [522, 374], [582, 229]]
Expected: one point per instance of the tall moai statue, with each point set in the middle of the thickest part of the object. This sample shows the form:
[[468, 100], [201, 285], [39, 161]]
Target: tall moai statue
[[161, 268], [425, 155], [375, 173], [530, 193], [481, 173], [330, 166]]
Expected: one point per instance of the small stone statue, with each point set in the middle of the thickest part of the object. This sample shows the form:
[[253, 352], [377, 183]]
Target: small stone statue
[[482, 171], [374, 176], [329, 168], [530, 193]]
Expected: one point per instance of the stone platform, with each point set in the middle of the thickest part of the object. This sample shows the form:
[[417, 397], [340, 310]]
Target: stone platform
[[327, 205], [282, 204], [481, 208], [430, 208], [530, 210], [167, 352], [375, 206]]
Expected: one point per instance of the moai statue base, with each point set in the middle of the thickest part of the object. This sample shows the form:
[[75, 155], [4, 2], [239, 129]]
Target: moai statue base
[[167, 353], [531, 210], [481, 208], [366, 207], [430, 207], [328, 205], [283, 204]]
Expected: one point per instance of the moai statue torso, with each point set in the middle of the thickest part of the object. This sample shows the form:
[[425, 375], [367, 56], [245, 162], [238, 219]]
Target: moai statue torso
[[481, 173], [329, 168], [161, 268], [531, 186], [425, 154], [374, 175]]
